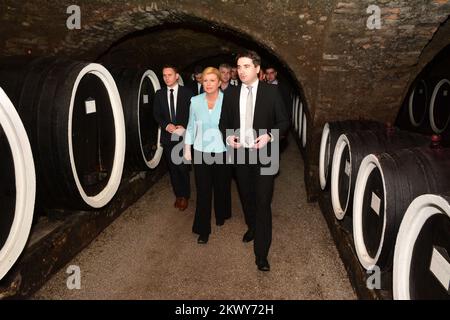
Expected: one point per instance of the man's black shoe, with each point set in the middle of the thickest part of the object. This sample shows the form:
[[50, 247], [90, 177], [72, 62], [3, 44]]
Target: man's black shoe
[[263, 264], [249, 235], [203, 239]]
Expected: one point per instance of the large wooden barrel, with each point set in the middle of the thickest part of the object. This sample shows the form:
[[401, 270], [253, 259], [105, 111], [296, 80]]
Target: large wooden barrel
[[73, 116], [137, 89], [330, 134], [422, 250], [17, 185], [351, 148], [440, 106], [385, 186], [418, 104]]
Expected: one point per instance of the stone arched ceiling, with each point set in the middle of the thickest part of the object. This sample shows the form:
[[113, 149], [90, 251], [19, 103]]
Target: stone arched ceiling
[[178, 45], [345, 69]]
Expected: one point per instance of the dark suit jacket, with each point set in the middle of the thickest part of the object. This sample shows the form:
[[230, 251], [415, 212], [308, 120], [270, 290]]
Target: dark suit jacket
[[193, 86], [161, 111], [270, 112], [285, 92], [227, 88]]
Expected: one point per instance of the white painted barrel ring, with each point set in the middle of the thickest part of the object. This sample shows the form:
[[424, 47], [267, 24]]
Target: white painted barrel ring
[[433, 119], [101, 199], [324, 156], [152, 163], [422, 91], [304, 128], [417, 216], [25, 179], [341, 145], [296, 113], [300, 125], [369, 163]]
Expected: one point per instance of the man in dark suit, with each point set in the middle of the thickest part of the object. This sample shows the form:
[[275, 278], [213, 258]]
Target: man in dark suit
[[254, 105], [285, 91], [196, 84], [272, 78], [234, 80], [171, 111]]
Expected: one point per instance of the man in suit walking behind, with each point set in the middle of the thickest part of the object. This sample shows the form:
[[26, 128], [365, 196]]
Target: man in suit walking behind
[[253, 118], [171, 111], [196, 84]]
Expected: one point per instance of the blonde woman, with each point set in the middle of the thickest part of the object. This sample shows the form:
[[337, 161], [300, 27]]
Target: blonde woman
[[212, 174]]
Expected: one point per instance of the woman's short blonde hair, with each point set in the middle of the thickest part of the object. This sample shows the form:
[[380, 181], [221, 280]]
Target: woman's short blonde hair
[[211, 70]]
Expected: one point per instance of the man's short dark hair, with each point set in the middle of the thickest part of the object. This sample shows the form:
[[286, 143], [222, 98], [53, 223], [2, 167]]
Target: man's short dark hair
[[256, 59], [272, 67], [170, 66], [198, 69]]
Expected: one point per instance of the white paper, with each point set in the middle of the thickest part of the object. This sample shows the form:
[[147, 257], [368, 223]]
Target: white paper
[[375, 203], [440, 268], [348, 168], [90, 106]]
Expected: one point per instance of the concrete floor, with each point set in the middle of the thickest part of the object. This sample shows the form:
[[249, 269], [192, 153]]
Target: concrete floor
[[149, 252]]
